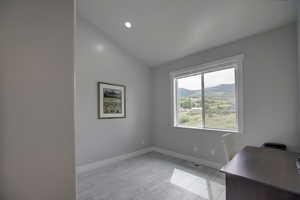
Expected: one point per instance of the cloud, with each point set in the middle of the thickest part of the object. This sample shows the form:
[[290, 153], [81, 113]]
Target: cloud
[[211, 79]]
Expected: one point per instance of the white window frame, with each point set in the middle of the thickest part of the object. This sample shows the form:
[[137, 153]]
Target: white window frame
[[235, 62]]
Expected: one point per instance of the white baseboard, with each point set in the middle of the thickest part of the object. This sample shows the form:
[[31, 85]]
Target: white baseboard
[[188, 158], [95, 165]]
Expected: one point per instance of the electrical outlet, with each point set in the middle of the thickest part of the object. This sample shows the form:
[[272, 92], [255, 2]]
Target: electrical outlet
[[195, 148]]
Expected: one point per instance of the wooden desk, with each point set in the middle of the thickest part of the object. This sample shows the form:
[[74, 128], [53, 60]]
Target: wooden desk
[[262, 174]]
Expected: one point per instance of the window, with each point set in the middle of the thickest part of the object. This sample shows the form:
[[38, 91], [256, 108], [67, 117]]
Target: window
[[209, 96]]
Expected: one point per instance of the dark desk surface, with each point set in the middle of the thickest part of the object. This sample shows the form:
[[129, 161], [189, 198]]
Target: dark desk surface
[[267, 166]]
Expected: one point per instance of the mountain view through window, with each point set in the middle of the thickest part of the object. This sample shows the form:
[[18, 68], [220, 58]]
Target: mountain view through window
[[217, 111]]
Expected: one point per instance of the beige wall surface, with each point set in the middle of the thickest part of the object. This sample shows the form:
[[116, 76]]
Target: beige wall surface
[[36, 100]]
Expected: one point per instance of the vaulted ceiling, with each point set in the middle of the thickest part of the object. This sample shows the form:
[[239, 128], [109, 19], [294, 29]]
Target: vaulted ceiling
[[165, 30]]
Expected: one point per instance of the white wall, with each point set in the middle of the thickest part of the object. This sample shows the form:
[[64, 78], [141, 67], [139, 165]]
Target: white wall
[[270, 95], [298, 45], [36, 106], [98, 59]]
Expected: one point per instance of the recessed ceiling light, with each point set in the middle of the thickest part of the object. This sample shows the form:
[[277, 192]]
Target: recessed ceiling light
[[128, 25]]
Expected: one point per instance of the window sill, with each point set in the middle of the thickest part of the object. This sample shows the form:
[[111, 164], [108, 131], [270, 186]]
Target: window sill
[[209, 129]]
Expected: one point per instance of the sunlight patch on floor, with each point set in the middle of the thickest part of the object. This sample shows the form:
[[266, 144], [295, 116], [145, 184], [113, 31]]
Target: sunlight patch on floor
[[192, 183]]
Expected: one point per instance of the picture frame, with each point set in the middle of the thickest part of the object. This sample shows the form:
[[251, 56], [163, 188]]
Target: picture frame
[[111, 100]]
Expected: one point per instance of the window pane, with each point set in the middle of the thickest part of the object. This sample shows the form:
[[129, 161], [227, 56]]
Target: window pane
[[189, 102], [219, 92]]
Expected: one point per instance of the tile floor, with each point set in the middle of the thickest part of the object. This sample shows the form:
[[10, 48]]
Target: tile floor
[[152, 176]]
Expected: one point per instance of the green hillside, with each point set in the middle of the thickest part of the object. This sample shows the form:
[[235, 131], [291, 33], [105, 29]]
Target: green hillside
[[223, 90], [219, 107]]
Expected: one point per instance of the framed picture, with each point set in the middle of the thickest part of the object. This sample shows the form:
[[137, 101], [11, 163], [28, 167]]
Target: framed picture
[[111, 101]]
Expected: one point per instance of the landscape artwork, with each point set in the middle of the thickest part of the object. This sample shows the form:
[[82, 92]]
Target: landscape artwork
[[111, 101]]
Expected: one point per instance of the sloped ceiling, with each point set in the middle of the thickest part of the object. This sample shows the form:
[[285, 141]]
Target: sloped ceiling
[[165, 30]]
